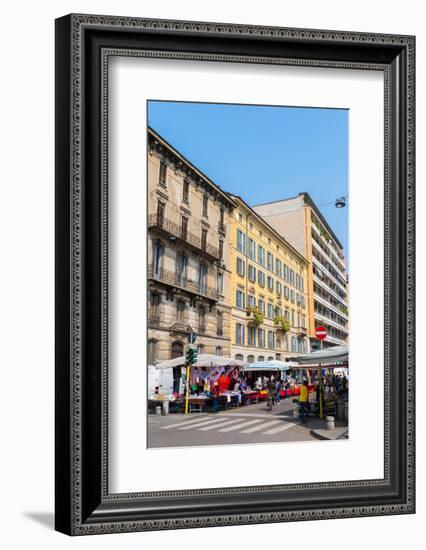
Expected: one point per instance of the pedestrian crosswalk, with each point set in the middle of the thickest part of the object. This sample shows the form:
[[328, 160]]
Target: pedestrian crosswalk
[[243, 424]]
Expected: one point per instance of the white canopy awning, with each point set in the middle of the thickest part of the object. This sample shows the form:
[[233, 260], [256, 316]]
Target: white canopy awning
[[203, 360], [329, 356], [267, 366]]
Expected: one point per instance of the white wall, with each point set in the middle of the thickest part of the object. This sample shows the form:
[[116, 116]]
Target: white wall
[[26, 300]]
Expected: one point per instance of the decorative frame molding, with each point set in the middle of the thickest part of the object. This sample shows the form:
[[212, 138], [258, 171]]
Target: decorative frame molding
[[84, 43]]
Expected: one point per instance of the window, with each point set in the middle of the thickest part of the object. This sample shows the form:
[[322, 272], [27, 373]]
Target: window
[[278, 343], [297, 298], [239, 357], [222, 220], [270, 339], [261, 337], [286, 292], [297, 281], [251, 249], [251, 336], [285, 273], [300, 345], [303, 302], [293, 343], [220, 249], [152, 351], [278, 288], [205, 205], [305, 346], [270, 262], [219, 323], [203, 239], [287, 346], [181, 268], [184, 228], [240, 299], [302, 285], [240, 217], [201, 319], [180, 310], [239, 333], [176, 350], [200, 349], [260, 278], [278, 267], [292, 319], [252, 273], [155, 307], [287, 314], [161, 212], [261, 306], [278, 356], [250, 358], [158, 255], [219, 283], [292, 296], [298, 320], [291, 277], [219, 351], [261, 358], [279, 311], [185, 190], [270, 283], [261, 255], [241, 267], [241, 241], [163, 173], [202, 276], [270, 310], [304, 321], [251, 300]]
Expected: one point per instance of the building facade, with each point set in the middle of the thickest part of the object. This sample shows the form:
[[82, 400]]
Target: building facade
[[188, 256], [303, 225], [269, 290]]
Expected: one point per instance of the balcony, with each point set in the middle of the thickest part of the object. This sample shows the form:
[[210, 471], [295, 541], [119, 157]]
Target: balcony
[[175, 280], [179, 232]]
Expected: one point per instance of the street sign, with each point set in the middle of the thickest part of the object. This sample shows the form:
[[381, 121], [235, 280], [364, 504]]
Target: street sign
[[321, 333], [192, 337]]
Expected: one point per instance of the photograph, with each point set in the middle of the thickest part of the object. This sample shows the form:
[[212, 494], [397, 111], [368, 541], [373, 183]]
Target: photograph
[[247, 274]]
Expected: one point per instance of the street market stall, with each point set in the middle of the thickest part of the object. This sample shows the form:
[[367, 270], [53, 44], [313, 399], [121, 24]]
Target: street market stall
[[206, 387], [330, 389]]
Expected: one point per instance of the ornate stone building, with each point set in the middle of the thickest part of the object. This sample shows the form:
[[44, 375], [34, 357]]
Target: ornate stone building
[[188, 256]]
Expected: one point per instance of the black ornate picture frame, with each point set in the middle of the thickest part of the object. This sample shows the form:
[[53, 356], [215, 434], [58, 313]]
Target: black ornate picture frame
[[84, 44]]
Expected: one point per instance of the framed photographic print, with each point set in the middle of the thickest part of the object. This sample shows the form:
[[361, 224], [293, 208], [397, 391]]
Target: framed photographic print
[[234, 274]]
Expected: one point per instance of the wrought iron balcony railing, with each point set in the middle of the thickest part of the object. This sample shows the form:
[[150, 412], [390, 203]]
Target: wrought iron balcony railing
[[171, 278], [179, 231]]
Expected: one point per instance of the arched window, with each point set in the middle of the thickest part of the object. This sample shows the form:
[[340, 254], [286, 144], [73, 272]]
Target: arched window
[[261, 358], [177, 349], [200, 349], [250, 358], [270, 358], [239, 357], [152, 351], [219, 350]]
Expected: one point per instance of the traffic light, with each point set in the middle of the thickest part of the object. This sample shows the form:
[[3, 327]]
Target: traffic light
[[191, 356]]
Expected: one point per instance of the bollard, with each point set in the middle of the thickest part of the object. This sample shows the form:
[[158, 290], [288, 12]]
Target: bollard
[[158, 409], [346, 415], [166, 407], [295, 410], [330, 422]]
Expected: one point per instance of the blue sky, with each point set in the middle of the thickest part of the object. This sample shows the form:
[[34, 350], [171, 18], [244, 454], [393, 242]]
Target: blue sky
[[264, 153]]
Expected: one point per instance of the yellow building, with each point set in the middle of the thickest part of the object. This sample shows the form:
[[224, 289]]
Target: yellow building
[[269, 290], [303, 225]]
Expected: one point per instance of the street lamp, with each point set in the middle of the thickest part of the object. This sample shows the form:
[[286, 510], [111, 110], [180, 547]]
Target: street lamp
[[340, 202]]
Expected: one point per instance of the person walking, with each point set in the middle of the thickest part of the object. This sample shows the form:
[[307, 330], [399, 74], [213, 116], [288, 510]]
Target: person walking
[[304, 401], [278, 387]]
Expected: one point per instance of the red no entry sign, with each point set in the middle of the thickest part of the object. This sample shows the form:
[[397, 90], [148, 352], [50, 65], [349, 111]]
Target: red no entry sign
[[321, 333]]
